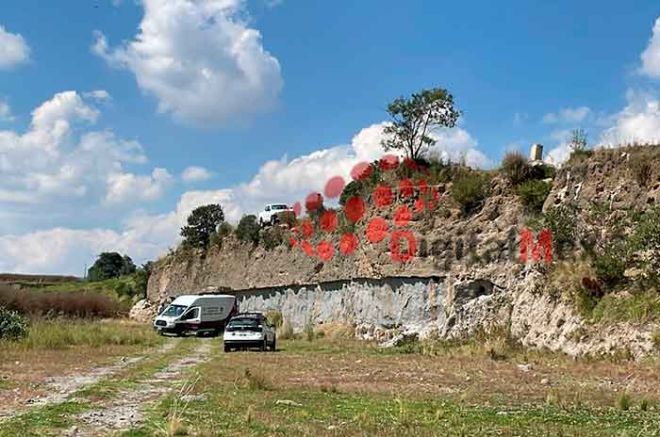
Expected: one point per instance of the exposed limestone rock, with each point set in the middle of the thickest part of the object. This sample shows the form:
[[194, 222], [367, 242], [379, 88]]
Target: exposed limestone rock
[[478, 283]]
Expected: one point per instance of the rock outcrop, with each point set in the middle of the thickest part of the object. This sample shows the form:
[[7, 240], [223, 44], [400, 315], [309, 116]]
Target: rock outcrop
[[466, 275]]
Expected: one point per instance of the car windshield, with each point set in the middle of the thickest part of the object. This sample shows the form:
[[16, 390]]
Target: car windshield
[[243, 324], [174, 310], [279, 207]]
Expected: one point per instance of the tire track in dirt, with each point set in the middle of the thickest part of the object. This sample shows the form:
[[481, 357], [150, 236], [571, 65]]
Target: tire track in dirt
[[60, 388], [127, 409]]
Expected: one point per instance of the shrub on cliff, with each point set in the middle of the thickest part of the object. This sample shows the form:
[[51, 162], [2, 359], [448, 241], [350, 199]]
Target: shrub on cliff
[[470, 189], [516, 168], [248, 229], [533, 194]]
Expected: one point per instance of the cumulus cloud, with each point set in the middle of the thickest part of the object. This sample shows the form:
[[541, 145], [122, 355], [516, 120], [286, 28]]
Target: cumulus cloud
[[59, 163], [129, 187], [638, 122], [13, 49], [200, 59], [567, 115], [196, 174], [651, 56]]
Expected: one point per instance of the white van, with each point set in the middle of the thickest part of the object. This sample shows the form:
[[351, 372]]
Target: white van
[[197, 314]]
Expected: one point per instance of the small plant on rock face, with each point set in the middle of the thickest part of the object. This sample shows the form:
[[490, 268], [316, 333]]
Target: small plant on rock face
[[516, 168], [533, 194], [470, 189]]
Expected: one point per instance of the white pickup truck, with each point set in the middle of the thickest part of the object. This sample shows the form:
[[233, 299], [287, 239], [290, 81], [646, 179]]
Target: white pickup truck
[[269, 214]]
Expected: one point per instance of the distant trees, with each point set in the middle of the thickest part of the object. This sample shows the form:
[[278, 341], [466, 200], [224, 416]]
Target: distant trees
[[412, 120], [110, 265], [202, 223]]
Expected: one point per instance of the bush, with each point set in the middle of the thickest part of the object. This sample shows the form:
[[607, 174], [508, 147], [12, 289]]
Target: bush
[[248, 229], [13, 326], [610, 265], [470, 189], [533, 194], [272, 237], [516, 168], [562, 222]]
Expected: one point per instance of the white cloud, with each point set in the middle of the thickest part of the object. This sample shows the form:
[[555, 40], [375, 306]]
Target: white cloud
[[59, 164], [5, 111], [638, 122], [196, 174], [651, 56], [567, 115], [200, 60], [128, 187], [13, 49]]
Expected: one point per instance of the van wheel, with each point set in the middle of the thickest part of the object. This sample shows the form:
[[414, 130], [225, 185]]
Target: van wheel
[[227, 348], [264, 347], [273, 345]]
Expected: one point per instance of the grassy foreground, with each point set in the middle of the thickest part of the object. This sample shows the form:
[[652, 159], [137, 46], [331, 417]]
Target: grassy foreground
[[347, 388]]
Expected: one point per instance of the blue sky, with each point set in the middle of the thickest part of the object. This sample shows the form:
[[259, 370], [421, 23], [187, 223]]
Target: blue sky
[[269, 98]]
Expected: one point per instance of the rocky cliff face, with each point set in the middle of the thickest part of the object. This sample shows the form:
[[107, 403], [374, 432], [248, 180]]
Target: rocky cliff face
[[474, 280]]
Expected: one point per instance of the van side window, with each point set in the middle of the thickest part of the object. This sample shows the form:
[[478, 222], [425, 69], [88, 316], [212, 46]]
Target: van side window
[[192, 314]]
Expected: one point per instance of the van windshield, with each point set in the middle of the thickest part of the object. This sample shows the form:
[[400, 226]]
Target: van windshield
[[279, 207], [244, 324], [174, 310]]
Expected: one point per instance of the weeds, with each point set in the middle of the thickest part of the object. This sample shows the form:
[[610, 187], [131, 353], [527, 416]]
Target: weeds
[[285, 331], [255, 381], [56, 334], [623, 402]]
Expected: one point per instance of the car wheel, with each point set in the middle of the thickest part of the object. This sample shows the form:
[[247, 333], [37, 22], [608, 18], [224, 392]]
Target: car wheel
[[227, 348], [264, 347], [273, 220], [273, 346]]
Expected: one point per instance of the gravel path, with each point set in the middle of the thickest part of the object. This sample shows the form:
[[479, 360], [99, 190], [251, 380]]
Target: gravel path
[[61, 387], [126, 410]]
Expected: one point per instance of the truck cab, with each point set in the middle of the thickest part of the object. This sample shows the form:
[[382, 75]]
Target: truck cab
[[270, 213]]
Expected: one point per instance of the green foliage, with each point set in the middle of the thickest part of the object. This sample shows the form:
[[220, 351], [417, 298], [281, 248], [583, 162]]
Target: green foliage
[[562, 222], [624, 402], [516, 168], [610, 265], [533, 194], [413, 118], [272, 237], [224, 230], [248, 229], [643, 307], [470, 189], [13, 326], [110, 265], [353, 188], [202, 223]]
